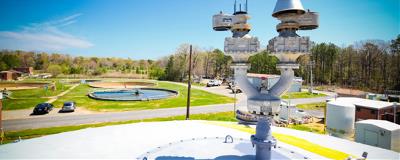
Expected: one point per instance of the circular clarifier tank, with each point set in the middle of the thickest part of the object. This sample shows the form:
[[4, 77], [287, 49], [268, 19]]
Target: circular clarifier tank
[[137, 94], [121, 85]]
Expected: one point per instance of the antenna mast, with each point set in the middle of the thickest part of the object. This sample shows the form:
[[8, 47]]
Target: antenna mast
[[246, 5], [234, 8]]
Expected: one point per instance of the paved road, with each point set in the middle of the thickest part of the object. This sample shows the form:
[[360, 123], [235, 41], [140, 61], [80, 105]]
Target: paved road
[[43, 122]]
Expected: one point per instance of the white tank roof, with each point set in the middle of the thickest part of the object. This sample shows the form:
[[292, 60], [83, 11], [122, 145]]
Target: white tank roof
[[353, 101], [373, 104], [381, 124], [345, 101]]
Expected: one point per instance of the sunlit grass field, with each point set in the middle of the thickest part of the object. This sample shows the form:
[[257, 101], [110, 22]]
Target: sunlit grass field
[[29, 98], [296, 95], [198, 98]]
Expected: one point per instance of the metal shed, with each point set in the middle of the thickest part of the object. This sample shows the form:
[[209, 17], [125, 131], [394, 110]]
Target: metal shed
[[379, 133]]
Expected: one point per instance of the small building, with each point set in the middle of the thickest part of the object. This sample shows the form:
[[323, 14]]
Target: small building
[[24, 70], [10, 75], [268, 81], [379, 133], [380, 110]]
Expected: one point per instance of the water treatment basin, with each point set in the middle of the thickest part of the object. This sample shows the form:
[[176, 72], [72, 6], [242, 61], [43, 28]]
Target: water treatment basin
[[137, 94]]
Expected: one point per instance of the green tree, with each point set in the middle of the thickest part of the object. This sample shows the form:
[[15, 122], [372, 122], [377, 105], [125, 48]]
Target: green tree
[[54, 69], [395, 62], [170, 73], [10, 60], [324, 55], [263, 63]]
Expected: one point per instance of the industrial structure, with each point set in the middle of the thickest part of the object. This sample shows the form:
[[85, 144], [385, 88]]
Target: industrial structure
[[380, 110], [261, 81], [342, 113], [25, 70], [287, 47], [378, 133], [10, 75]]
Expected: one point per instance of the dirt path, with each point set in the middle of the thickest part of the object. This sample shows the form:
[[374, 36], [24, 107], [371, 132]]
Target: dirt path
[[54, 98]]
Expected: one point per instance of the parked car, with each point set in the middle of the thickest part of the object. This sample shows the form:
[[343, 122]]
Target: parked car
[[214, 82], [43, 108], [68, 107]]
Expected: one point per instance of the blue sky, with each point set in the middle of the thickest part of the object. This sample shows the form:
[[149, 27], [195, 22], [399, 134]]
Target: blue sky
[[155, 28]]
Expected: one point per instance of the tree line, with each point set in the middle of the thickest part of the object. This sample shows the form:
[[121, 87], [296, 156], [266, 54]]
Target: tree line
[[57, 64], [210, 63], [369, 65]]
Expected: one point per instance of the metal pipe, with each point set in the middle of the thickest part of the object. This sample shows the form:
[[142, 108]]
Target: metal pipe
[[286, 79], [240, 74]]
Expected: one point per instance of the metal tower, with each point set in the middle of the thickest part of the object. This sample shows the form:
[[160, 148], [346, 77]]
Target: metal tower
[[288, 46]]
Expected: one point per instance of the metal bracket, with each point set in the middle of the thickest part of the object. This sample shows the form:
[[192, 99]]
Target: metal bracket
[[228, 137]]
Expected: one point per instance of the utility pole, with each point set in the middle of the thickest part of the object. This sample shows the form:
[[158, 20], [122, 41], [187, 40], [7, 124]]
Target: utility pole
[[311, 65], [394, 112], [1, 125], [234, 92], [189, 84]]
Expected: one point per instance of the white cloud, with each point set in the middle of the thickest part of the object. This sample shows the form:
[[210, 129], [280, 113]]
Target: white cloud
[[45, 36]]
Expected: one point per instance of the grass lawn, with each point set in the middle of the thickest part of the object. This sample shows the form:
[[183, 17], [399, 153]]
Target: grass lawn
[[308, 128], [29, 98], [195, 84], [32, 133], [13, 104], [296, 95], [312, 106], [198, 98], [199, 84], [39, 92]]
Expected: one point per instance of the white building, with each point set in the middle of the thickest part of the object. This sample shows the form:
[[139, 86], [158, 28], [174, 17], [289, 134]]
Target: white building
[[379, 133]]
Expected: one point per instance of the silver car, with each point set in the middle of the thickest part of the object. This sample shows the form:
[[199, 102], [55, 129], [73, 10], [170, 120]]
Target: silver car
[[68, 107]]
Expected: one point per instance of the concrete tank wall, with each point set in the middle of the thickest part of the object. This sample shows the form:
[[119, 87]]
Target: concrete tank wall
[[340, 118]]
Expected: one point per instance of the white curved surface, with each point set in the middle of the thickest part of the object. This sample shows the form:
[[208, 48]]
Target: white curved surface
[[132, 140], [285, 80]]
